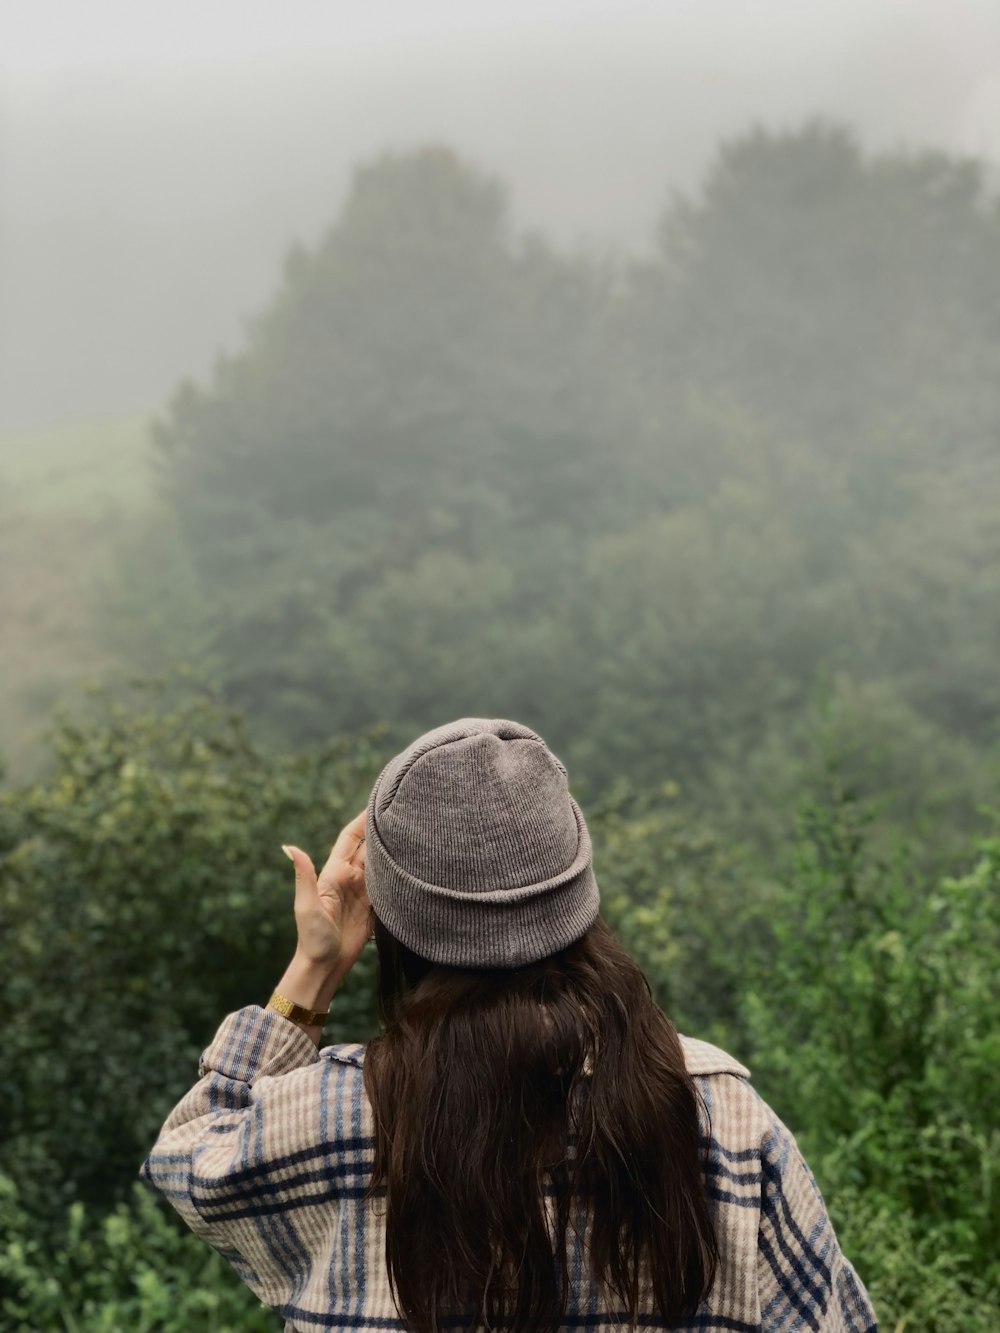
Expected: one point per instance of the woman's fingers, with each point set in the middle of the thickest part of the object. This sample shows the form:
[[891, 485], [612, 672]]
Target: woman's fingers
[[332, 911], [306, 885], [349, 848], [351, 837]]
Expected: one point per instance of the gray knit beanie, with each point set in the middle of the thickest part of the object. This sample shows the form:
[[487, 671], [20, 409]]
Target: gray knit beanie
[[477, 855]]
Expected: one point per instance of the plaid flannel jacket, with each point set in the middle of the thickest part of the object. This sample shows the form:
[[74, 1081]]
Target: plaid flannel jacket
[[268, 1155]]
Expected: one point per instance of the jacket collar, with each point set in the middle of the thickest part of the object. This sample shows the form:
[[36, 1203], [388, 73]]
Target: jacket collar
[[701, 1057]]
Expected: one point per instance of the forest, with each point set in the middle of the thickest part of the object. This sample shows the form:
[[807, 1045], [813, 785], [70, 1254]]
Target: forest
[[719, 518]]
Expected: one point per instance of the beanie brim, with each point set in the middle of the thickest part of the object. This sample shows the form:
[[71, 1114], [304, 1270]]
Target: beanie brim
[[502, 928]]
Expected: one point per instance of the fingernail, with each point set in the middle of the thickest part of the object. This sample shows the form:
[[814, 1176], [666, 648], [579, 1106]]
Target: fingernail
[[288, 852]]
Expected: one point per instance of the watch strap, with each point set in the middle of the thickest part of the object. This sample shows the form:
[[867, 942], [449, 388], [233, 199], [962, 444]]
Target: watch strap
[[296, 1012]]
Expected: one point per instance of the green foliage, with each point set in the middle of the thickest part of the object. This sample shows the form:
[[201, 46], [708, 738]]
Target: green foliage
[[144, 893], [687, 902], [142, 889], [132, 1270], [874, 1024], [917, 1284]]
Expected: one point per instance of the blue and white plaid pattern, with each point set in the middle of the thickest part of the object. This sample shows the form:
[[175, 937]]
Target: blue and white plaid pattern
[[268, 1156]]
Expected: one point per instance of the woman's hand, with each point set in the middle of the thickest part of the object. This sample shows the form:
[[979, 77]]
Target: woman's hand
[[332, 911]]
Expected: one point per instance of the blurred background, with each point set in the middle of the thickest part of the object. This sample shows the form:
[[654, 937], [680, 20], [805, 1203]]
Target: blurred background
[[628, 369]]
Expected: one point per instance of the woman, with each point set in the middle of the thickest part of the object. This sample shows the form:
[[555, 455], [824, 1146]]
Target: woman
[[528, 1144]]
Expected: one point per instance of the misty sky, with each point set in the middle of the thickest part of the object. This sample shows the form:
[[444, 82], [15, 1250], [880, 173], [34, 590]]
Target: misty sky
[[157, 160]]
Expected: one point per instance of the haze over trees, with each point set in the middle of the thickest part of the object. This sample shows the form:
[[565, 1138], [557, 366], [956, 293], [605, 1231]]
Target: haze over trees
[[456, 470], [721, 519]]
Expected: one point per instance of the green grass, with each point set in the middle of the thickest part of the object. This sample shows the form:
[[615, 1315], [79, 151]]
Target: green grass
[[77, 468], [67, 496]]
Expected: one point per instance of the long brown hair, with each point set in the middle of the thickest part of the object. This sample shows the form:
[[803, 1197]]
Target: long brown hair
[[479, 1082]]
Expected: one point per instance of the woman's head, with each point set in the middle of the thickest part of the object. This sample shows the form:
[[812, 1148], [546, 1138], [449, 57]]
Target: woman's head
[[524, 1069], [477, 854]]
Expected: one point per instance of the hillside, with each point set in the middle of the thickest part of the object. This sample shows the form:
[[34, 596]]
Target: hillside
[[68, 498]]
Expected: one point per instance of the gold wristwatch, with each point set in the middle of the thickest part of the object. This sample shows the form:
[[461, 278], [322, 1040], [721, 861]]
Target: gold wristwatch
[[296, 1012]]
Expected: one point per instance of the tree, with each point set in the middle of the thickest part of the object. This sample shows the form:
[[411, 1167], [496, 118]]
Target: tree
[[831, 291], [144, 895], [874, 1024]]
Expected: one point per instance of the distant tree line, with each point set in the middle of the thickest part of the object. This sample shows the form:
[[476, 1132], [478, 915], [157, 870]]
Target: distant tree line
[[650, 504]]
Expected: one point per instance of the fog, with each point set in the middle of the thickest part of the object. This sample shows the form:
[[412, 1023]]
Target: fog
[[158, 162], [627, 370]]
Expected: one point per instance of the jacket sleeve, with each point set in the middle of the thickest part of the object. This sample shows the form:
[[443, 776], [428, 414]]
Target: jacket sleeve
[[221, 1144], [803, 1278]]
